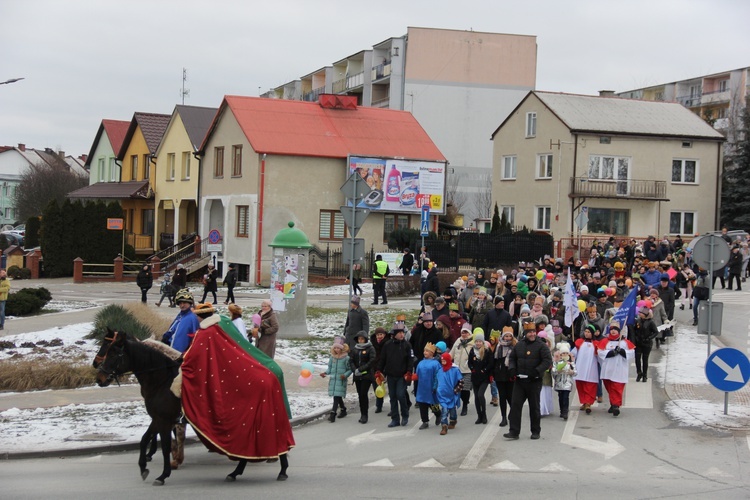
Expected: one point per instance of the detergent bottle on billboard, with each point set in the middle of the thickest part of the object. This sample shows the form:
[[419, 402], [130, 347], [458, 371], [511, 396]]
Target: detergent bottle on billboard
[[393, 185]]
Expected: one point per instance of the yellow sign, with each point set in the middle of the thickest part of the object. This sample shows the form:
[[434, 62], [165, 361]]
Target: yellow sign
[[168, 205], [115, 224]]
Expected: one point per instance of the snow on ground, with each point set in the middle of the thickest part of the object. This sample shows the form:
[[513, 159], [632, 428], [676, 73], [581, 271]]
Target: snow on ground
[[686, 357], [59, 343]]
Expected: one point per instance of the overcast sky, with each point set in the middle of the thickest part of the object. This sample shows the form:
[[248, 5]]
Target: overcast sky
[[87, 60]]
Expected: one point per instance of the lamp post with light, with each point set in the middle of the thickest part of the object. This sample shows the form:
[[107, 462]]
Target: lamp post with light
[[12, 80]]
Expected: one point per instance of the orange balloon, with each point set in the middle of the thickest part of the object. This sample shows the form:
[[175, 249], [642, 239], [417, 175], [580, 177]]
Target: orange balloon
[[305, 373]]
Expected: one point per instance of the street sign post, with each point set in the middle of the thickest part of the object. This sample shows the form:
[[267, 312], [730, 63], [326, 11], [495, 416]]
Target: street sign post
[[712, 253], [355, 189], [353, 250], [728, 370], [425, 223]]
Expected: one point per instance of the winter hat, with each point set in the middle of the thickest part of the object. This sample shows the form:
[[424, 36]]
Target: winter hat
[[508, 329], [235, 309], [180, 266], [440, 346], [592, 328], [498, 299], [204, 309], [398, 326], [541, 319], [362, 334], [430, 347], [355, 299], [664, 277], [596, 275], [525, 308], [644, 310], [563, 347], [438, 300], [478, 334], [614, 331], [448, 361], [466, 327], [444, 320], [584, 288], [338, 342], [653, 291], [619, 266]]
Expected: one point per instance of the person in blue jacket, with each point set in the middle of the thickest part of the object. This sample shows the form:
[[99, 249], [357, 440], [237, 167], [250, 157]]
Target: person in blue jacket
[[181, 331], [449, 392], [427, 375]]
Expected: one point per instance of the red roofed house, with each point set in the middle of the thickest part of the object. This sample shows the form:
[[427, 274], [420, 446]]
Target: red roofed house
[[266, 162], [101, 159]]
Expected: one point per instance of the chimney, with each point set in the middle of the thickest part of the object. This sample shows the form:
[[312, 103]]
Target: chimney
[[606, 93], [83, 158], [335, 101], [61, 154], [22, 147]]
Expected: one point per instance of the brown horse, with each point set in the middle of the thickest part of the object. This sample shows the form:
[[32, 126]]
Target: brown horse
[[155, 371]]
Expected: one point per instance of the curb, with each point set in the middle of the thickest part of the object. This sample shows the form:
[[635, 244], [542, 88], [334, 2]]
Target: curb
[[128, 446]]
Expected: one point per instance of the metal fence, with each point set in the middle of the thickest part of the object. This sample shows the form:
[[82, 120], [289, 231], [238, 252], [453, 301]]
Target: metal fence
[[329, 262]]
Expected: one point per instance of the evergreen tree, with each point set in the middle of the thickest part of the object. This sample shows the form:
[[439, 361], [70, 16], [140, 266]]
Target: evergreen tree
[[495, 220], [735, 192], [51, 239], [31, 239]]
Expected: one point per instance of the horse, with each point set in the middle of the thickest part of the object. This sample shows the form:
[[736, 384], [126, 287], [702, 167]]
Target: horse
[[155, 371]]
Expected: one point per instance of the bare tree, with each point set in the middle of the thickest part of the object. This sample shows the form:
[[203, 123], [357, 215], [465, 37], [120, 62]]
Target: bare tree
[[41, 183], [453, 195], [484, 198]]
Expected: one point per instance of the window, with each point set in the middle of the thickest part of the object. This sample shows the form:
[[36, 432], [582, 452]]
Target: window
[[687, 144], [605, 140], [186, 166], [237, 161], [114, 175], [608, 221], [134, 168], [146, 167], [243, 221], [682, 223], [391, 222], [723, 85], [331, 225], [148, 222], [685, 171], [509, 212], [101, 177], [509, 167], [544, 166], [531, 124], [170, 166], [219, 162], [611, 168], [542, 221]]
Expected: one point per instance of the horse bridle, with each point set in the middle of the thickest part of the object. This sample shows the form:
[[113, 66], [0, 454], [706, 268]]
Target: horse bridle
[[99, 360]]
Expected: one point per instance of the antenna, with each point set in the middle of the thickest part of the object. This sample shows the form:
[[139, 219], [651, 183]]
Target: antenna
[[184, 92]]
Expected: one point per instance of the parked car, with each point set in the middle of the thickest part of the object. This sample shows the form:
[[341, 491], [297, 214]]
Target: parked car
[[13, 238]]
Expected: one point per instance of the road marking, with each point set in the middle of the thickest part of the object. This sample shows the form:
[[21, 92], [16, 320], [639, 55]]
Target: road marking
[[555, 467], [638, 395], [715, 472], [370, 436], [609, 469], [380, 463], [504, 465], [609, 449], [485, 440], [430, 463]]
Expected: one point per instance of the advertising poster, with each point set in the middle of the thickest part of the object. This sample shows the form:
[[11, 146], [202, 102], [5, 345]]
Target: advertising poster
[[401, 185]]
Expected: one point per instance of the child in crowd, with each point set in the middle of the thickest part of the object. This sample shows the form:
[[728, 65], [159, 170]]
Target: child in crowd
[[362, 363], [339, 371], [563, 371], [450, 383], [427, 375]]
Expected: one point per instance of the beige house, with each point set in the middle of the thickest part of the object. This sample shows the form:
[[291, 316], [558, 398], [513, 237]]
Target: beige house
[[630, 167], [176, 175], [266, 162]]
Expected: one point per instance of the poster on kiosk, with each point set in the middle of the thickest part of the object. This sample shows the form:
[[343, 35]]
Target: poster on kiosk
[[400, 185]]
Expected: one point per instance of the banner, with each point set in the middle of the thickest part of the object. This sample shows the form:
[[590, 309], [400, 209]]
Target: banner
[[400, 185], [625, 315], [570, 301]]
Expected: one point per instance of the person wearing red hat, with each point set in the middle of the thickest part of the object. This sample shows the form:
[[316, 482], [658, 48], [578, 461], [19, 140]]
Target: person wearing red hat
[[449, 385], [615, 354]]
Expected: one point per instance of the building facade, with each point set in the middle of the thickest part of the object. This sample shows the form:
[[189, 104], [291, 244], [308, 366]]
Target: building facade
[[455, 83], [630, 167], [101, 161]]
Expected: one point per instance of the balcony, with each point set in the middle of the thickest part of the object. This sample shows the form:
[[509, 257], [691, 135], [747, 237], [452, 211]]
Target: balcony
[[339, 86], [312, 96], [381, 103], [716, 96], [356, 80], [690, 101], [632, 189], [381, 71]]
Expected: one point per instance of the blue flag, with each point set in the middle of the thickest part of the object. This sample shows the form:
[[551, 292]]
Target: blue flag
[[625, 315]]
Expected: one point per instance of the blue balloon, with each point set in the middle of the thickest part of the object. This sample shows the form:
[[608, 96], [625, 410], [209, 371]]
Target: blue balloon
[[308, 366]]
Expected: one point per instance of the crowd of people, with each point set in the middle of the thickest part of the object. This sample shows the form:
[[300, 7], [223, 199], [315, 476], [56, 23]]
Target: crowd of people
[[525, 333]]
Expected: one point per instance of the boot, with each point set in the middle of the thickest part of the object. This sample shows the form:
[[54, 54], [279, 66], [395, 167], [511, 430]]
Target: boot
[[464, 411], [564, 415], [639, 377], [332, 417], [615, 410], [425, 425], [452, 424], [484, 418], [503, 422], [495, 401], [437, 418], [444, 430], [342, 413], [363, 420]]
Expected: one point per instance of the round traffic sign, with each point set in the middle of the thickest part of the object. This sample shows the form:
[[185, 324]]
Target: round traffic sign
[[728, 369], [214, 236], [702, 251]]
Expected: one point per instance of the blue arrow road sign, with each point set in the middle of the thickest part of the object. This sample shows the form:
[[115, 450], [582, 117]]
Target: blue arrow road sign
[[425, 225], [728, 369]]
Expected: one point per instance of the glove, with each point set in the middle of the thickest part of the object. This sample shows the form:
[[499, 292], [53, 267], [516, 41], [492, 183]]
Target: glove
[[610, 354], [342, 377], [492, 379], [414, 377], [622, 353], [407, 378], [357, 373], [379, 378]]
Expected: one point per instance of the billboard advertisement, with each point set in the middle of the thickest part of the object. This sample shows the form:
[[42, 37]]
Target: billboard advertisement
[[400, 185]]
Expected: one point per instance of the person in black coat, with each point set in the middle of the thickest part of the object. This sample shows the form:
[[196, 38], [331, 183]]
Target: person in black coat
[[230, 280], [498, 318], [480, 364], [735, 268], [396, 363], [407, 262], [433, 283], [144, 280], [644, 333], [528, 361], [362, 363], [378, 339], [424, 331], [210, 282]]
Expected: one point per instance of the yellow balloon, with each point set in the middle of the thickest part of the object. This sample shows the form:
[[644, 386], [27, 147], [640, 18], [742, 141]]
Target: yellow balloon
[[305, 373], [380, 391], [581, 305], [540, 275]]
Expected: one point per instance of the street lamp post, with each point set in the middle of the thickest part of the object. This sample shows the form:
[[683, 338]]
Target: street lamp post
[[12, 80]]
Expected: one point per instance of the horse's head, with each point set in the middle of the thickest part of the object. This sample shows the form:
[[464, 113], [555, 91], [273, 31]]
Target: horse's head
[[111, 360]]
